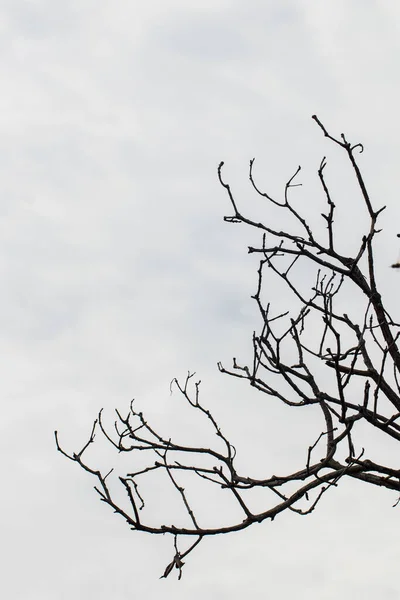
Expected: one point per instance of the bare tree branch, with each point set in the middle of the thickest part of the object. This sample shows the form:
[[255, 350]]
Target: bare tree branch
[[345, 366]]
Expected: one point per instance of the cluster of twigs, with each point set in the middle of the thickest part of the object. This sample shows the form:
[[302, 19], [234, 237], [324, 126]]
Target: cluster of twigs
[[361, 356]]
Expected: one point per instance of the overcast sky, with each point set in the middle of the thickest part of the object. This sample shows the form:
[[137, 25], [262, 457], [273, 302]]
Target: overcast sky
[[119, 274]]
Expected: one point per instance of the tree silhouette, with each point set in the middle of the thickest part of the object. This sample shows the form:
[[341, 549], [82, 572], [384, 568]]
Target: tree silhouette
[[344, 365]]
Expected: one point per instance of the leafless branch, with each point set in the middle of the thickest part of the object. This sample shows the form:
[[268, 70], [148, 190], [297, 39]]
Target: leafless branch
[[343, 367]]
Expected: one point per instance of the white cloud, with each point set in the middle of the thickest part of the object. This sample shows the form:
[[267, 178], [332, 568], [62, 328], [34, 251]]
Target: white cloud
[[119, 274]]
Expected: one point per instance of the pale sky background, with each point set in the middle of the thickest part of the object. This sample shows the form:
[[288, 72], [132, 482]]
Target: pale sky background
[[119, 274]]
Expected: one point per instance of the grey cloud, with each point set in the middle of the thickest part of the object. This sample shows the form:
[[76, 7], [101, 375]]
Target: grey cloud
[[118, 272], [201, 37]]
